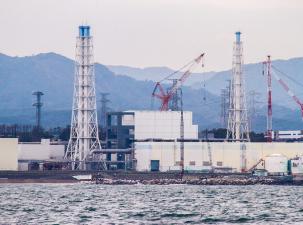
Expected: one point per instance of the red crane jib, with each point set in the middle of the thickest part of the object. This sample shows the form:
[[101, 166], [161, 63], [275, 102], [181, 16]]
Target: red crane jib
[[165, 97]]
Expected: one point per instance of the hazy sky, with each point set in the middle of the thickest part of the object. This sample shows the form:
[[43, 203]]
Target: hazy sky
[[145, 33]]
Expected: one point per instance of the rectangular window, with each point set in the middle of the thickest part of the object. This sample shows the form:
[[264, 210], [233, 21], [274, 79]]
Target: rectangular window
[[114, 120], [219, 163], [192, 163], [131, 132], [128, 120], [154, 165], [206, 163], [177, 163]]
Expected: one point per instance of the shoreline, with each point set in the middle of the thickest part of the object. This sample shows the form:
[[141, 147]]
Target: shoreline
[[145, 178], [209, 182]]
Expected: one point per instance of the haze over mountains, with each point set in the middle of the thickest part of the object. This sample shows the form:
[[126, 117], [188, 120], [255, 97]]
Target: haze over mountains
[[53, 74], [157, 73], [215, 81]]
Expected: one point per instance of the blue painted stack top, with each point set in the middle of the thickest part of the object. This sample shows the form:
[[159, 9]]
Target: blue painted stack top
[[84, 31], [238, 34]]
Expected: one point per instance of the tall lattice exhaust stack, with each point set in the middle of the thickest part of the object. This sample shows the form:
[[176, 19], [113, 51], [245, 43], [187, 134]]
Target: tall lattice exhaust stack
[[237, 127], [84, 140]]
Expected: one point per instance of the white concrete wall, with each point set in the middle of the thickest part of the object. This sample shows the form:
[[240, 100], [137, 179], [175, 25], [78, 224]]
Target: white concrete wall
[[8, 153], [163, 124], [40, 151], [56, 152], [226, 152], [23, 166]]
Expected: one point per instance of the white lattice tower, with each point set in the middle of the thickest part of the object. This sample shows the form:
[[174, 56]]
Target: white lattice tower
[[84, 138], [237, 127]]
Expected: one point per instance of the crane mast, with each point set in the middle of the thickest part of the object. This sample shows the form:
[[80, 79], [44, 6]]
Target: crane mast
[[269, 70], [267, 64]]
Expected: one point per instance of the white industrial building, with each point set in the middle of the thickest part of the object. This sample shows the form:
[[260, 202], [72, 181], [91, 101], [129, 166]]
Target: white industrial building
[[196, 157], [18, 156], [285, 135], [160, 124], [165, 125], [276, 164], [44, 150], [8, 153], [296, 165], [38, 152], [156, 135]]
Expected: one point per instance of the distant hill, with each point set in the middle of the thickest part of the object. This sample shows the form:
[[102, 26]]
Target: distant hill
[[255, 81], [215, 81], [158, 73], [53, 74]]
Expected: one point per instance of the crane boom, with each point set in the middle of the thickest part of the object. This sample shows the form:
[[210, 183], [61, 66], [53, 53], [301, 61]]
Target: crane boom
[[289, 92], [166, 97], [186, 74]]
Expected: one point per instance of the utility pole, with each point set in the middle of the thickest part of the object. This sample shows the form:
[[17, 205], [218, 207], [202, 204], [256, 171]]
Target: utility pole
[[104, 108], [237, 128], [181, 135], [38, 104]]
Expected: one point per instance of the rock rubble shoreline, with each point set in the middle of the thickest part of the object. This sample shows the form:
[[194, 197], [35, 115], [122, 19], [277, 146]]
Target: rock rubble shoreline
[[201, 181]]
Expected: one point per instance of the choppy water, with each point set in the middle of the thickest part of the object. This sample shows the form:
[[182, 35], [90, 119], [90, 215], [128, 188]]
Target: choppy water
[[139, 204]]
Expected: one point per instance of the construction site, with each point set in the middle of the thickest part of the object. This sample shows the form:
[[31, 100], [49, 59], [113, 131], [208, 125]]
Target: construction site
[[159, 140]]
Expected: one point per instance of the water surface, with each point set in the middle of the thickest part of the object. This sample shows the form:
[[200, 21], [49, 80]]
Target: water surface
[[150, 204]]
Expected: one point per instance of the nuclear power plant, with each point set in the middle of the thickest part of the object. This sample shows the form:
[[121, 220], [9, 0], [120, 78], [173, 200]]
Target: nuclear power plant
[[161, 140]]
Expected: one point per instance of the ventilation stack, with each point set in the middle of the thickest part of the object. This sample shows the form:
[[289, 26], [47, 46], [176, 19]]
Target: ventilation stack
[[84, 141], [237, 127]]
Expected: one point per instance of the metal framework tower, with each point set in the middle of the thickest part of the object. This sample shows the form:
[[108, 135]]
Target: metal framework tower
[[38, 104], [224, 104], [237, 127], [174, 104], [104, 108], [252, 107], [84, 140]]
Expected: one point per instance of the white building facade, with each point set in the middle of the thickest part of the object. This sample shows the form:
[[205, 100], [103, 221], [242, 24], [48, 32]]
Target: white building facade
[[38, 152], [160, 124], [196, 157], [8, 153]]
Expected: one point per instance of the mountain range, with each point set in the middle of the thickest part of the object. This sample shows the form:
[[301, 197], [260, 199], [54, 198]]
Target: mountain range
[[130, 88]]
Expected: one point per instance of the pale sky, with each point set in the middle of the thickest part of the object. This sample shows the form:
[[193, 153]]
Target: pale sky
[[144, 33]]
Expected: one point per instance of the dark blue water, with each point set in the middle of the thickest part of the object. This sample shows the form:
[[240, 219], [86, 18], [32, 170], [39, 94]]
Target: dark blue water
[[139, 204]]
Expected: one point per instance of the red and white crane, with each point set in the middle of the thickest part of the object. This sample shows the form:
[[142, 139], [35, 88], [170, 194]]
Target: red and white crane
[[166, 96], [267, 66], [269, 72]]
